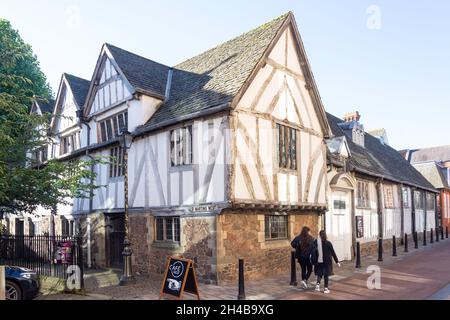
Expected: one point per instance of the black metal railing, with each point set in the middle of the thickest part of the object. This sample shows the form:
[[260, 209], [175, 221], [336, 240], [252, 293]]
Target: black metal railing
[[47, 255]]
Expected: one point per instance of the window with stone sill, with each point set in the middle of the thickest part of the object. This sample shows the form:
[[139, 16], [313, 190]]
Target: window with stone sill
[[167, 229], [276, 227]]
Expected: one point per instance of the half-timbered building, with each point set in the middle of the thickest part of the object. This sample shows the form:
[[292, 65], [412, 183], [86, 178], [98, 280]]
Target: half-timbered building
[[434, 164], [232, 154], [374, 193], [228, 158]]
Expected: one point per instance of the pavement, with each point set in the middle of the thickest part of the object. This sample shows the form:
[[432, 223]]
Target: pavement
[[418, 275]]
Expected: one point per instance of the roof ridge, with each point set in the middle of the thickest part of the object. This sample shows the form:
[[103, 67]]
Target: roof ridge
[[74, 76], [265, 25], [135, 54]]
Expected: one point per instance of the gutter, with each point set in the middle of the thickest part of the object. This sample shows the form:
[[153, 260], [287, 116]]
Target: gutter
[[147, 129], [353, 168]]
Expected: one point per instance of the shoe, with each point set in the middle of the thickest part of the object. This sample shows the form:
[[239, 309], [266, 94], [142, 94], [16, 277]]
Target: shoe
[[304, 284], [326, 290], [317, 287]]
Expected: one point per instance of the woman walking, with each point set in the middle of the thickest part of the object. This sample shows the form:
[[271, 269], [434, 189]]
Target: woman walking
[[323, 255], [303, 245]]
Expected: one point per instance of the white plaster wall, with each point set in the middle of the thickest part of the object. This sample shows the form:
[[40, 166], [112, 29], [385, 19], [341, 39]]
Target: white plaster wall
[[281, 95], [155, 183]]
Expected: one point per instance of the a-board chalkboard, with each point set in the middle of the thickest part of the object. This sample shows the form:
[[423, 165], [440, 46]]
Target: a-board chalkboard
[[179, 277]]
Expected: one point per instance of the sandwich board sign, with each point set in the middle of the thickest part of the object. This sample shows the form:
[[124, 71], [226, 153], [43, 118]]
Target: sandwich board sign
[[179, 278], [2, 283]]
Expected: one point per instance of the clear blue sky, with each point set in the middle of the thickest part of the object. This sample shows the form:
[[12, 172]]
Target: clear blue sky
[[397, 75]]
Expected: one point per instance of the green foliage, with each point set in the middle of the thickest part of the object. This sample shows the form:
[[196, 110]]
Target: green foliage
[[24, 183], [20, 74]]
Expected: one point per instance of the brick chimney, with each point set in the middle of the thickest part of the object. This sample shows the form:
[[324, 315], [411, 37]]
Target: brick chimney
[[352, 116]]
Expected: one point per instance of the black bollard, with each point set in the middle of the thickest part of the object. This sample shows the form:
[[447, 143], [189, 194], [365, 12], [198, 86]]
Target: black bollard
[[442, 232], [241, 295], [394, 246], [416, 243], [293, 270], [446, 232], [431, 236], [425, 237], [437, 234], [406, 242], [358, 255], [380, 250]]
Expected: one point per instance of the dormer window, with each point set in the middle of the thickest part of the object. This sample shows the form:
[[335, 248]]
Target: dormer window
[[69, 143], [110, 89], [39, 155], [111, 128]]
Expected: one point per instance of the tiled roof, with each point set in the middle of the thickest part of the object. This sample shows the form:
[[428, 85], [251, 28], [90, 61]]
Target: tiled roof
[[214, 77], [79, 87], [430, 154], [379, 159], [47, 107], [142, 73], [433, 173]]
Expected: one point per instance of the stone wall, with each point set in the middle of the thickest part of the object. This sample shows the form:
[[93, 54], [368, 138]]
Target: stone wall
[[241, 234], [197, 242], [371, 248]]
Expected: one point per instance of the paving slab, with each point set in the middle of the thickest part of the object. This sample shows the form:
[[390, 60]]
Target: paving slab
[[419, 274]]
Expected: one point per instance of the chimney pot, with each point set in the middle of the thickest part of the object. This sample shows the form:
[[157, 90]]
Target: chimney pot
[[352, 116]]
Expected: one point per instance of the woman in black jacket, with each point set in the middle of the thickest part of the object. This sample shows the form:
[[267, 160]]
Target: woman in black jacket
[[303, 245], [322, 256]]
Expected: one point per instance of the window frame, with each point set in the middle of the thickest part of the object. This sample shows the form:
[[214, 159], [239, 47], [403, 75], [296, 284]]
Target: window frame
[[418, 200], [287, 152], [175, 229], [389, 199], [268, 223], [430, 200], [69, 143], [116, 163], [108, 126], [406, 197], [181, 137], [363, 201]]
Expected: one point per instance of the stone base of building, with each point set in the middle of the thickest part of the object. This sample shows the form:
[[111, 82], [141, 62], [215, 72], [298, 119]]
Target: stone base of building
[[216, 243], [241, 235], [197, 242]]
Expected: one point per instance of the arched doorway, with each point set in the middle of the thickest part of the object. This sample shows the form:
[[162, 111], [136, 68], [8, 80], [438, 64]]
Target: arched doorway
[[339, 216]]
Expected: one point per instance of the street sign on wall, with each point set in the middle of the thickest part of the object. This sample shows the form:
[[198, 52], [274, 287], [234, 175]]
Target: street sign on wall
[[179, 277]]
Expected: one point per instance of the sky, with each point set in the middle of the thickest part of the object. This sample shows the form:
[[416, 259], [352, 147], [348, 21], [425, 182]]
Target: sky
[[387, 59]]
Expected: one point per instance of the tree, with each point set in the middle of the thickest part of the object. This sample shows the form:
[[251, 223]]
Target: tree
[[24, 183]]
